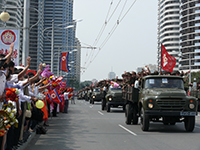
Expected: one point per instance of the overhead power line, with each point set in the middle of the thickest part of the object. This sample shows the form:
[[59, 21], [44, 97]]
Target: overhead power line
[[112, 30]]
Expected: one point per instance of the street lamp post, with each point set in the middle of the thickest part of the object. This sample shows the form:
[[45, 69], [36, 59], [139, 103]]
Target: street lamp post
[[25, 50], [52, 45], [52, 37], [180, 55]]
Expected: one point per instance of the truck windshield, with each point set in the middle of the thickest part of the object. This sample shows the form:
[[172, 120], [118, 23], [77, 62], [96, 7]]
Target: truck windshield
[[115, 88], [96, 90], [164, 83]]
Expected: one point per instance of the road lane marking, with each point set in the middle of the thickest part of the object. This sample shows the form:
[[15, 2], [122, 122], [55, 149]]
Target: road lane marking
[[127, 130], [100, 113], [91, 106]]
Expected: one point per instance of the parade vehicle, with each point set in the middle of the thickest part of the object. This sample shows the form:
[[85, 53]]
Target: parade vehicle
[[96, 96], [160, 98], [80, 95], [113, 98], [196, 93], [89, 95]]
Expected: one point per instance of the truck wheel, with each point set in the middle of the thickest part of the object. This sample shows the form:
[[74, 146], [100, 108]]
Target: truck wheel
[[135, 117], [124, 108], [144, 121], [129, 113], [189, 123], [108, 108], [92, 101]]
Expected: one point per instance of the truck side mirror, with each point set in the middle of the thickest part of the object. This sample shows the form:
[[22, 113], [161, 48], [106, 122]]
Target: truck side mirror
[[136, 85]]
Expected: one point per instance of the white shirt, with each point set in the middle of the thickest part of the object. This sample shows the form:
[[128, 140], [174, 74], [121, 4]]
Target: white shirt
[[36, 90], [22, 97], [2, 87], [66, 96], [14, 79]]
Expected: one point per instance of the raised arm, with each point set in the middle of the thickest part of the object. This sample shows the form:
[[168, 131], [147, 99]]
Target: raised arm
[[149, 71], [43, 87], [37, 74], [34, 77], [40, 82], [26, 68], [8, 57]]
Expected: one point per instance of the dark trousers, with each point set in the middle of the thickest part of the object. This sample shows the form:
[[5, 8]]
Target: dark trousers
[[48, 106], [66, 106], [17, 131], [55, 109], [10, 138]]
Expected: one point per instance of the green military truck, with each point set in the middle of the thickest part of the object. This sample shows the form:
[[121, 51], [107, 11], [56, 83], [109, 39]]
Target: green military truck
[[161, 98], [96, 96], [196, 93], [113, 98]]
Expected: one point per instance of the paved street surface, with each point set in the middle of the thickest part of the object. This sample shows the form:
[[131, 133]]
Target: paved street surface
[[86, 127]]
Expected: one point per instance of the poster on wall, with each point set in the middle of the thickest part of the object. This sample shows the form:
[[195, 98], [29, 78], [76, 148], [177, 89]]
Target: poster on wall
[[8, 36]]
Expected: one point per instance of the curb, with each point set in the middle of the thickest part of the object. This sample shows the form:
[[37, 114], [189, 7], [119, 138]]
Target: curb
[[24, 145]]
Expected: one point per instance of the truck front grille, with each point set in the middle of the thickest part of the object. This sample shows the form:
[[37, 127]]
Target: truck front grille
[[171, 104]]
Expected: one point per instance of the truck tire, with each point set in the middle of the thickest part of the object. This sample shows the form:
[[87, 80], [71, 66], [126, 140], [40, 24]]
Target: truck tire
[[124, 107], [135, 116], [92, 101], [108, 108], [129, 113], [144, 121], [189, 123]]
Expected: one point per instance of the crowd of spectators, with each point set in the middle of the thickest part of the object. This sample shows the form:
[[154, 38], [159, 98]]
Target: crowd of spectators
[[26, 101]]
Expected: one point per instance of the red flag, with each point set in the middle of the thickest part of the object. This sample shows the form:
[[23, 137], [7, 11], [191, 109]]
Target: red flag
[[168, 62], [54, 97], [64, 62]]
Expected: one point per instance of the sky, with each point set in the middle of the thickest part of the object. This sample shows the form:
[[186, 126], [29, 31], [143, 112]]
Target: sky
[[132, 44]]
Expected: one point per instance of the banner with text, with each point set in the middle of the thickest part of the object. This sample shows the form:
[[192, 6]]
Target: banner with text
[[7, 37]]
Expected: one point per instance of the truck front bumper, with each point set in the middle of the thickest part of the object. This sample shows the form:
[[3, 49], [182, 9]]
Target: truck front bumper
[[170, 113]]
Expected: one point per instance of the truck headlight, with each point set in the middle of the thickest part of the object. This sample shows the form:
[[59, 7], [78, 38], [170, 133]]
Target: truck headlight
[[191, 106], [150, 105], [93, 96], [110, 98]]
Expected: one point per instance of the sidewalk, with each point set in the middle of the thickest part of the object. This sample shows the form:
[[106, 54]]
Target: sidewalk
[[56, 137]]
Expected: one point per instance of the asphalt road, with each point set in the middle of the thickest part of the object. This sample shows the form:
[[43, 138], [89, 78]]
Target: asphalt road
[[86, 127]]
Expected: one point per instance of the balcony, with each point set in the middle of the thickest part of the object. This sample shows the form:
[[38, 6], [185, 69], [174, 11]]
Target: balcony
[[197, 4], [197, 57], [197, 50], [197, 24], [197, 37], [197, 44]]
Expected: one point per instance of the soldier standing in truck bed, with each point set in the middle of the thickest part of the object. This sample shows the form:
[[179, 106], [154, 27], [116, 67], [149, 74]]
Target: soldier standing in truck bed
[[133, 78]]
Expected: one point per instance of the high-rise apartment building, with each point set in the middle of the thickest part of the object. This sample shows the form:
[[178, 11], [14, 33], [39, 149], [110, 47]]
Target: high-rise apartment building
[[77, 58], [42, 12], [61, 12], [16, 21], [16, 18], [35, 41], [111, 75], [168, 28], [190, 35]]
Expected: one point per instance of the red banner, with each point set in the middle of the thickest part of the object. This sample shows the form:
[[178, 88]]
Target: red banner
[[168, 62], [64, 62]]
